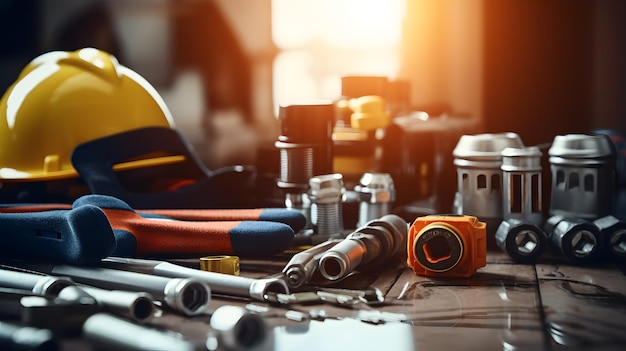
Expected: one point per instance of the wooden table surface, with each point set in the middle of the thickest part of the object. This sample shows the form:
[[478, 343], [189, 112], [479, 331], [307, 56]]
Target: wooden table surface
[[550, 305]]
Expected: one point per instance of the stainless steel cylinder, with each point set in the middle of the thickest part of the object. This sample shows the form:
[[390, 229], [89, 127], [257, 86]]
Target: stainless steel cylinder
[[18, 337], [521, 191], [187, 296], [584, 178], [577, 239], [138, 306], [376, 195], [220, 283], [478, 159], [301, 267], [326, 195], [237, 329], [112, 333], [37, 283], [377, 240], [305, 148]]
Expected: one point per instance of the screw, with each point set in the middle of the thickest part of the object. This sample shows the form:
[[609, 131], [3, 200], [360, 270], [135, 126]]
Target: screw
[[376, 193], [326, 193]]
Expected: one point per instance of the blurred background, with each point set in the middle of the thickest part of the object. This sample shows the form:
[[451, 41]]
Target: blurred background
[[538, 68]]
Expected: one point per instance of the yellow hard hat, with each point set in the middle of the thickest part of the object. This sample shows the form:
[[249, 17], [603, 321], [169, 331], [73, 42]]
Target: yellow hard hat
[[63, 99]]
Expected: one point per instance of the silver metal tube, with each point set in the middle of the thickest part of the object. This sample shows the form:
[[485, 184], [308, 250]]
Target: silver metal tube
[[138, 306], [225, 284], [377, 240], [187, 296], [326, 194], [342, 259], [376, 193], [111, 333], [237, 329], [17, 337], [303, 265], [37, 283]]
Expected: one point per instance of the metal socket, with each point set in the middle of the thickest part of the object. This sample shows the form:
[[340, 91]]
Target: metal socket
[[613, 233], [578, 240], [522, 240], [237, 329]]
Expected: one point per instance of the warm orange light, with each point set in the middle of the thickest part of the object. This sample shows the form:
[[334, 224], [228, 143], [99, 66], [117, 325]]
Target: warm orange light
[[321, 40], [337, 23]]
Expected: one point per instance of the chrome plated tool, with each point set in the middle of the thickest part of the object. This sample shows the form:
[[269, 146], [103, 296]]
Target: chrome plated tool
[[377, 240], [225, 284], [188, 296]]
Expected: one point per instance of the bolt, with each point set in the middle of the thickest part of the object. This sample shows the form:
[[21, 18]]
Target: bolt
[[376, 193], [326, 193]]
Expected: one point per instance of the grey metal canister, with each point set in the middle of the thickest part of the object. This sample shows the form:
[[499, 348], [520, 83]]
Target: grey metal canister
[[478, 159], [584, 179]]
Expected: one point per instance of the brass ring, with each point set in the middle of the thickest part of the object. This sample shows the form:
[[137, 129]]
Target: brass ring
[[220, 264]]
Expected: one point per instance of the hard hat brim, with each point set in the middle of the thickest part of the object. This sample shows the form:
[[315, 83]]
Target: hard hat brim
[[14, 175]]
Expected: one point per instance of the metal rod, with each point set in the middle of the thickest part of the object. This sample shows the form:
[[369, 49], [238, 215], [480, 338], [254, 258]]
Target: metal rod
[[220, 283], [188, 296]]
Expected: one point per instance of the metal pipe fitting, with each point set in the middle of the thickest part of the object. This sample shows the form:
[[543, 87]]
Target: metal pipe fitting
[[305, 142], [376, 196], [225, 284], [522, 240], [578, 240], [377, 240], [326, 195], [522, 189], [39, 284], [301, 267], [584, 176], [112, 333], [237, 329], [613, 234], [187, 296], [17, 337], [305, 148], [478, 159], [138, 306]]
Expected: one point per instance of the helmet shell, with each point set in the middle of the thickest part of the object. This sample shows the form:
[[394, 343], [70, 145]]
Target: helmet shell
[[63, 99]]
